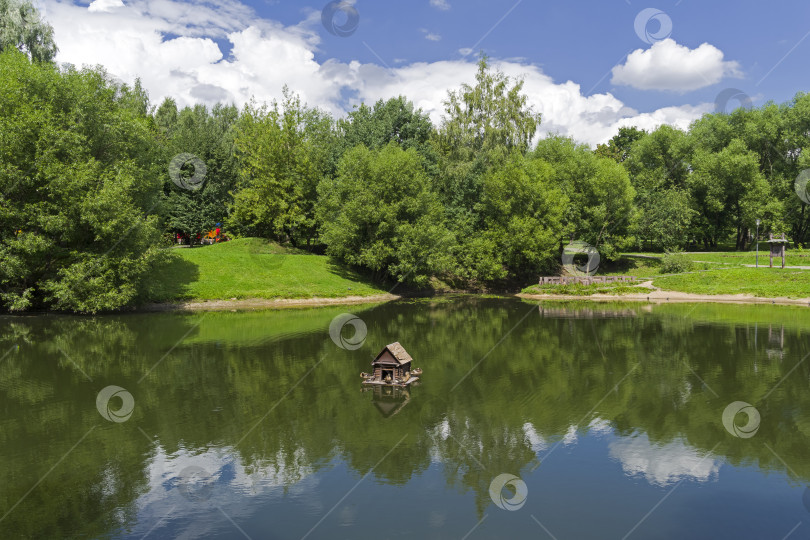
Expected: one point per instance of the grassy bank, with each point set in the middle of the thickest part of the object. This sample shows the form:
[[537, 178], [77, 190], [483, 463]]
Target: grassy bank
[[765, 282], [711, 274], [253, 268]]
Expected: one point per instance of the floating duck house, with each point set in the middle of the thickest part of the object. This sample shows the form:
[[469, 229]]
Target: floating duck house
[[392, 367]]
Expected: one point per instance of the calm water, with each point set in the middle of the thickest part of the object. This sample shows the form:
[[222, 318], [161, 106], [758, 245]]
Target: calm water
[[609, 419]]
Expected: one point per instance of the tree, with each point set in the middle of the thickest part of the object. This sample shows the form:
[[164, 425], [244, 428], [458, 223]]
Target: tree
[[396, 120], [729, 193], [78, 178], [284, 152], [522, 211], [618, 147], [600, 209], [493, 113], [22, 28], [659, 165], [482, 126], [197, 134], [381, 213]]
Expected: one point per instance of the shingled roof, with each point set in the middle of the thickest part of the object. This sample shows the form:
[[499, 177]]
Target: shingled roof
[[397, 351]]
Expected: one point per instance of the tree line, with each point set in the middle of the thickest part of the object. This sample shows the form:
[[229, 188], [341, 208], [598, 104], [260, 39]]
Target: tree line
[[91, 187]]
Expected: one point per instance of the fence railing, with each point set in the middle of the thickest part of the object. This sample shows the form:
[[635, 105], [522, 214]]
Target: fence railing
[[585, 280]]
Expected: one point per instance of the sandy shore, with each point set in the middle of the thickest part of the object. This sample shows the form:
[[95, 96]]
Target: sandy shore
[[266, 303], [659, 297]]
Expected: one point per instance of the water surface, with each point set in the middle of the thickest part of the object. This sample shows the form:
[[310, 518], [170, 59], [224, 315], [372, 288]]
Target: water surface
[[255, 425]]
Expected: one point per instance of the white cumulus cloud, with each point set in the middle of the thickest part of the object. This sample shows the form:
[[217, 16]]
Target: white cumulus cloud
[[170, 45], [670, 66], [440, 4], [105, 5]]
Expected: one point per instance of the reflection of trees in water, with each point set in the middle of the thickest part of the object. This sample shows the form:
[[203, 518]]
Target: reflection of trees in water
[[234, 382]]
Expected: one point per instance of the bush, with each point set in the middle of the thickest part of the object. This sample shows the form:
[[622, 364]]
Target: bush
[[676, 263]]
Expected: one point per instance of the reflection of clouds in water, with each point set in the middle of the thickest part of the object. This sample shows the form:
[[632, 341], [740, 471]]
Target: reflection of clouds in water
[[444, 429], [233, 485], [536, 441], [662, 464], [570, 436], [600, 426]]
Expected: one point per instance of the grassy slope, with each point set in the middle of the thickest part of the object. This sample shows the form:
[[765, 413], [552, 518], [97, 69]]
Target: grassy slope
[[252, 268]]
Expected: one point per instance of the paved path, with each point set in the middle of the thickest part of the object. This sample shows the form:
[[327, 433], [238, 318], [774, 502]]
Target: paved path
[[778, 266]]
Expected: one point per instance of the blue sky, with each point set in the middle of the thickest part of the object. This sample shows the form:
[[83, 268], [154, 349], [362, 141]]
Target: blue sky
[[574, 55]]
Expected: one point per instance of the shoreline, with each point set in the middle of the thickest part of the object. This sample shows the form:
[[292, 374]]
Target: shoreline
[[661, 297], [263, 303], [653, 297]]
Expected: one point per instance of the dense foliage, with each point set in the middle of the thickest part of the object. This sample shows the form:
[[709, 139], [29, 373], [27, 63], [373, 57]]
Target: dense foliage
[[94, 180], [79, 175]]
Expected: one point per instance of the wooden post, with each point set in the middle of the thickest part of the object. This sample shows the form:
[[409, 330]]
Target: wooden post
[[783, 254]]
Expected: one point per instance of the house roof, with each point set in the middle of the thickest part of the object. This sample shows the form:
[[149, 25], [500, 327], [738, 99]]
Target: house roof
[[397, 351]]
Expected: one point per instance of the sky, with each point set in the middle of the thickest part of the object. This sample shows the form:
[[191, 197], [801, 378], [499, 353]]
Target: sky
[[589, 67]]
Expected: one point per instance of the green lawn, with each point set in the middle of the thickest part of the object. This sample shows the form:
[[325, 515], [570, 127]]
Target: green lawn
[[737, 258], [716, 273], [768, 282], [253, 268]]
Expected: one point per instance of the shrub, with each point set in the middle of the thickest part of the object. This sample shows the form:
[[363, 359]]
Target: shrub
[[676, 263]]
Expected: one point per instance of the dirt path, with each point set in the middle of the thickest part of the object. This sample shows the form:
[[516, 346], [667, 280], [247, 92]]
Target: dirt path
[[266, 303], [658, 296]]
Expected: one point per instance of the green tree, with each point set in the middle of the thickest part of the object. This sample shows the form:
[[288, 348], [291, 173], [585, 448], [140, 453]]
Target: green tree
[[207, 135], [381, 213], [21, 27], [659, 165], [77, 182], [618, 147], [600, 209], [394, 120], [522, 211], [494, 113], [284, 151], [729, 192]]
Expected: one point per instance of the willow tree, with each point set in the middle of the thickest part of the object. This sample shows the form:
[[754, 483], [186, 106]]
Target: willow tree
[[21, 27]]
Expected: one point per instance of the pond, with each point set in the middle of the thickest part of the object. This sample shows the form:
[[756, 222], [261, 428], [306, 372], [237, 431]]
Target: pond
[[553, 420]]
